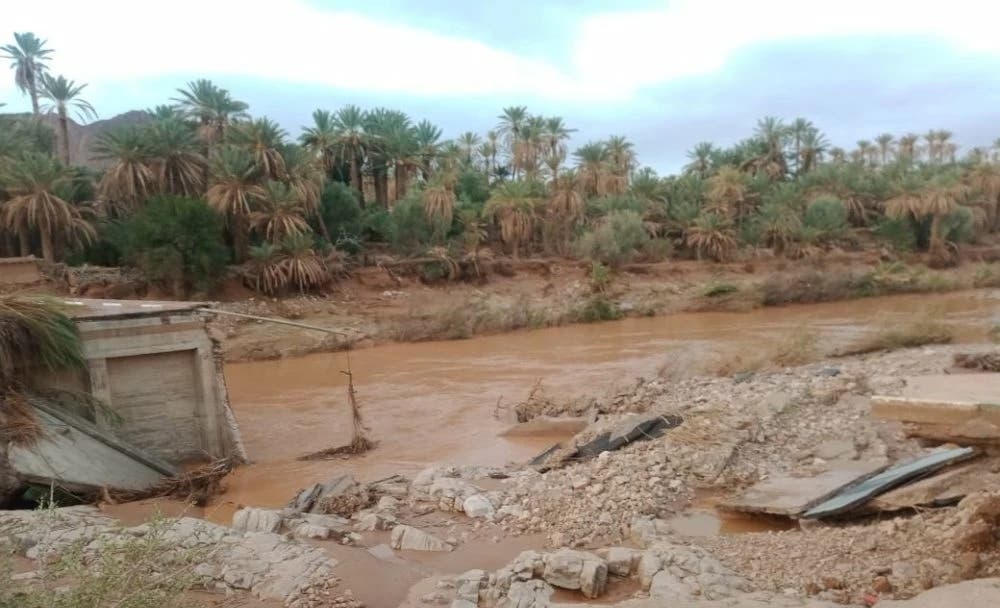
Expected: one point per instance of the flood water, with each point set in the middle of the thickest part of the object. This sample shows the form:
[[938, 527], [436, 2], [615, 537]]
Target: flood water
[[433, 402]]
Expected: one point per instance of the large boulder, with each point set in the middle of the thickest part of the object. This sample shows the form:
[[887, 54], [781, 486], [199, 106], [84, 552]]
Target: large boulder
[[249, 519], [415, 539], [478, 506], [569, 569], [622, 561]]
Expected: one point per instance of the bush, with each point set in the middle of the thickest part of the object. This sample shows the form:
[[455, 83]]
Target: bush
[[827, 216], [958, 226], [472, 187], [598, 308], [106, 249], [898, 233], [615, 240], [409, 228], [720, 289], [376, 224], [177, 243], [926, 330], [607, 205], [340, 209]]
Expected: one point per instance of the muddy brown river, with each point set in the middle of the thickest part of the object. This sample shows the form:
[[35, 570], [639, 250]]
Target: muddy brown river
[[433, 402]]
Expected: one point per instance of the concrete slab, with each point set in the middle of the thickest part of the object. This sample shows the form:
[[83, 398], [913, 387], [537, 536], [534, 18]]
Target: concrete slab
[[865, 489], [947, 487], [962, 408], [87, 309], [790, 496]]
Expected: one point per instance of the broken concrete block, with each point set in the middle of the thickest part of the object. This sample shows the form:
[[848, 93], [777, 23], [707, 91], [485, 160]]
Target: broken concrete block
[[478, 506], [622, 561], [571, 569], [250, 519], [414, 539]]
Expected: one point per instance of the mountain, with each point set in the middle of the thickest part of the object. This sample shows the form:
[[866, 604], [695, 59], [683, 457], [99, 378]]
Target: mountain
[[81, 137]]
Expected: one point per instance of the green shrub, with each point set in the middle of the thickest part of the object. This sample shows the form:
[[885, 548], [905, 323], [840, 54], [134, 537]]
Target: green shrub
[[176, 243], [340, 209], [376, 224], [899, 233], [599, 207], [615, 240], [472, 187], [719, 289], [827, 216], [409, 228], [598, 308], [958, 226], [106, 249]]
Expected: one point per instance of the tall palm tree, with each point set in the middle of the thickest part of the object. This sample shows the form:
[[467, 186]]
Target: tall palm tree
[[489, 151], [590, 162], [700, 158], [321, 139], [556, 132], [773, 132], [621, 155], [512, 206], [177, 162], [512, 121], [129, 180], [63, 94], [34, 182], [931, 137], [263, 138], [884, 143], [426, 136], [798, 131], [280, 213], [906, 148], [812, 148], [305, 177], [212, 107], [28, 56], [352, 143], [727, 193], [864, 149], [946, 148], [233, 189], [469, 143]]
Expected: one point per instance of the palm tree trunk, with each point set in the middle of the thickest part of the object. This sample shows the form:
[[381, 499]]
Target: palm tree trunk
[[48, 248], [64, 135], [9, 482], [239, 234], [24, 241], [936, 247], [381, 179], [400, 177], [323, 231], [356, 178], [33, 93]]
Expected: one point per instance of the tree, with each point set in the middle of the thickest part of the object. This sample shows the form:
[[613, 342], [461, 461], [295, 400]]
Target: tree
[[129, 180], [935, 198], [556, 132], [864, 150], [711, 234], [884, 142], [263, 139], [280, 212], [63, 94], [28, 56], [812, 148], [426, 137], [727, 192], [621, 155], [305, 178], [232, 192], [352, 143], [512, 207], [177, 243], [590, 162], [177, 163], [512, 121], [773, 134], [469, 143], [212, 108], [906, 148], [700, 158], [321, 139], [798, 131], [34, 182]]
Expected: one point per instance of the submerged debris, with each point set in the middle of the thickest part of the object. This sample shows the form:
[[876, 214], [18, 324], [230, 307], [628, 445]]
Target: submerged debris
[[198, 485]]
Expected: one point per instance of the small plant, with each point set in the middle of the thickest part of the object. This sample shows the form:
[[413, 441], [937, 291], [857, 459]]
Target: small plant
[[799, 347], [600, 277], [719, 289], [923, 331], [598, 308], [826, 215]]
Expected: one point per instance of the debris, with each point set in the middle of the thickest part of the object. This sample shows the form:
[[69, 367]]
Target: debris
[[790, 496], [341, 495], [415, 539], [980, 593], [987, 362], [859, 493], [197, 485], [633, 428], [959, 409], [569, 569], [945, 488]]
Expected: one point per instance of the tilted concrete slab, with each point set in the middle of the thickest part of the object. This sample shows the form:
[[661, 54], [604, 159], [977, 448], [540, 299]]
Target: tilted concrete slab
[[962, 408], [947, 487], [790, 496], [76, 455]]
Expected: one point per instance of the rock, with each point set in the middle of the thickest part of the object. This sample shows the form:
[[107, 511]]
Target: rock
[[435, 597], [478, 506], [250, 519], [622, 561], [414, 539], [308, 530], [341, 495], [968, 565], [881, 584], [468, 585], [368, 522], [976, 535], [649, 565], [571, 569], [387, 503], [462, 604], [828, 372], [527, 594], [668, 587]]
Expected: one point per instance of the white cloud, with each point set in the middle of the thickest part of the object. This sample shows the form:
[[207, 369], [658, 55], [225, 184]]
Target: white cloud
[[615, 54], [630, 50]]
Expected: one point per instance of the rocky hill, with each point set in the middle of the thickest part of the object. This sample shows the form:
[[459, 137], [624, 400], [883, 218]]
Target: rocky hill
[[81, 137]]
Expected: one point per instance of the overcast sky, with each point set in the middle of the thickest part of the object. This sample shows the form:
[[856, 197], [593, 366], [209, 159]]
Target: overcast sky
[[665, 74]]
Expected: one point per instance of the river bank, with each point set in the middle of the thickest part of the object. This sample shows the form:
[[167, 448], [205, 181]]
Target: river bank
[[375, 306]]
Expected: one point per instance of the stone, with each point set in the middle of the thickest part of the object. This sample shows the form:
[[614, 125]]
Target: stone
[[387, 503], [667, 587], [250, 519], [527, 594], [649, 565], [977, 535], [478, 506], [622, 561], [828, 372], [340, 495], [569, 569], [468, 585], [881, 584], [462, 604], [369, 522], [414, 539], [836, 449], [968, 565]]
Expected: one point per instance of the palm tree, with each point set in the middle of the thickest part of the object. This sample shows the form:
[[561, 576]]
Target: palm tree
[[701, 159], [798, 131], [177, 162], [512, 206], [556, 132], [305, 177], [28, 56], [984, 178], [489, 150], [931, 137], [279, 213], [564, 209], [711, 234], [512, 121], [812, 148], [936, 198], [33, 183], [212, 107], [773, 133], [727, 192], [864, 149], [621, 155], [63, 94], [426, 136], [884, 142], [439, 202], [906, 148], [838, 155], [129, 180], [469, 143], [263, 138], [590, 162], [351, 142], [945, 146], [232, 192], [321, 139]]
